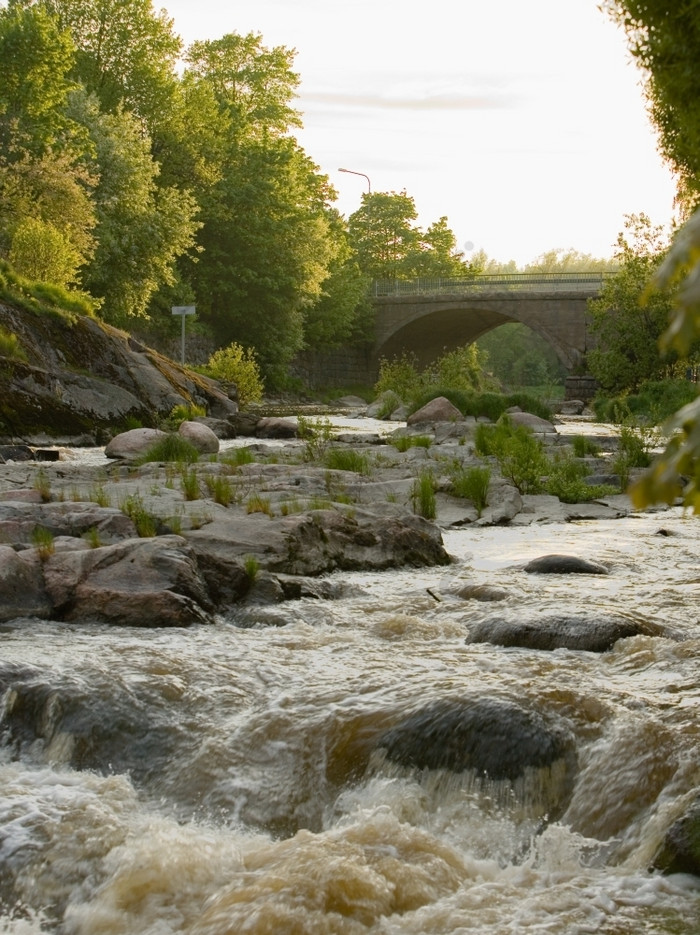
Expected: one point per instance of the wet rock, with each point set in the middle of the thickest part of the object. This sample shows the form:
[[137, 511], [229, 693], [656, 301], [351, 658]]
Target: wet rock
[[384, 405], [20, 517], [133, 444], [534, 423], [16, 453], [22, 592], [351, 402], [244, 423], [276, 428], [199, 435], [439, 409], [497, 738], [140, 582], [559, 631], [564, 565], [481, 592], [680, 851]]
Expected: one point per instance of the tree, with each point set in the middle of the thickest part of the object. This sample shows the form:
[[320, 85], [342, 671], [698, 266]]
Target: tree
[[389, 245], [36, 58], [142, 229], [665, 41], [125, 53], [627, 330], [40, 251], [569, 261]]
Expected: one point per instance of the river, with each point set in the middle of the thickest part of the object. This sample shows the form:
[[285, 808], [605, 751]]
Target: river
[[208, 781]]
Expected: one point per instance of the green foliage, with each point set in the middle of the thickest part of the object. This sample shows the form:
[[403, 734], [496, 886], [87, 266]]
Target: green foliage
[[404, 442], [220, 489], [10, 345], [460, 369], [40, 251], [317, 434], [399, 375], [347, 459], [146, 524], [43, 541], [172, 447], [92, 537], [182, 413], [423, 495], [237, 364], [390, 246], [42, 485], [471, 484], [566, 480], [238, 456], [521, 458], [583, 446], [258, 504], [189, 484], [518, 356], [627, 322], [43, 298], [251, 566], [634, 446]]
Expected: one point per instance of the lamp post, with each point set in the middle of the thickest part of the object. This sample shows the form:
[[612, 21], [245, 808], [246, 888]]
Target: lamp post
[[352, 172]]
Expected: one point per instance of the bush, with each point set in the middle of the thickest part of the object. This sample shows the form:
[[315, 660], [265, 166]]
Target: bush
[[237, 364], [182, 413], [400, 375], [584, 446], [404, 442], [10, 346], [567, 481], [521, 458]]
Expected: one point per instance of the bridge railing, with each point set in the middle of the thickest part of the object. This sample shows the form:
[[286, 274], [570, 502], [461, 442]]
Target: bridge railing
[[566, 282]]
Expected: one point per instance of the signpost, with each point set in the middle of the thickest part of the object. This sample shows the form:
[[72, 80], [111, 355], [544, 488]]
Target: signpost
[[183, 311]]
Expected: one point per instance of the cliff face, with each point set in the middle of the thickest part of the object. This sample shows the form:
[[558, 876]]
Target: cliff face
[[80, 375]]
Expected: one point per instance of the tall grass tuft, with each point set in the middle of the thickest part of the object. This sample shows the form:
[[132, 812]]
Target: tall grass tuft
[[423, 495]]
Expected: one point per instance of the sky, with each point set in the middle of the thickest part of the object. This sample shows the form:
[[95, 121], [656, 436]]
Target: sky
[[523, 123]]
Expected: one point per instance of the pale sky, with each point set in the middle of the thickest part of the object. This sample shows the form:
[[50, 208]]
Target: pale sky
[[523, 122]]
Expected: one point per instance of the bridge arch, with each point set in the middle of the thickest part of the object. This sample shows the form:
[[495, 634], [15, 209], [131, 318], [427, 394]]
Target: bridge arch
[[425, 320]]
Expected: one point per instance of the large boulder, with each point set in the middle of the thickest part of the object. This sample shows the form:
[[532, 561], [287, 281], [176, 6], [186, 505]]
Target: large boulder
[[132, 444], [139, 582], [439, 409], [272, 427], [680, 851], [535, 423], [200, 436]]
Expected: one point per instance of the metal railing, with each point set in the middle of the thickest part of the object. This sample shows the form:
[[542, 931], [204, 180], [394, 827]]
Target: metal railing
[[564, 282]]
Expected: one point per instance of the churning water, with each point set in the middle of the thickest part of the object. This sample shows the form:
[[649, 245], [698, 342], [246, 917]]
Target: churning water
[[217, 780]]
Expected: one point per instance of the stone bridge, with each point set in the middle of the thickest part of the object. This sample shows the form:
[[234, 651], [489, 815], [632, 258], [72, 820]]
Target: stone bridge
[[428, 317]]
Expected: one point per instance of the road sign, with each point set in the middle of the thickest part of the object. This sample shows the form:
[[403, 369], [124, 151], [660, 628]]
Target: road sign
[[184, 309]]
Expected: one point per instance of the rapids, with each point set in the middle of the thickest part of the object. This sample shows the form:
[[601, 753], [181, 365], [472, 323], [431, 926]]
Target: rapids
[[215, 780]]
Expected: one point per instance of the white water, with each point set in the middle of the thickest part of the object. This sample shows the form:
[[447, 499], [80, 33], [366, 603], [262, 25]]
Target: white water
[[213, 780]]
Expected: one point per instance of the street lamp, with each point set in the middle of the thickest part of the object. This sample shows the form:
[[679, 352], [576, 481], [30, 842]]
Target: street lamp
[[352, 172]]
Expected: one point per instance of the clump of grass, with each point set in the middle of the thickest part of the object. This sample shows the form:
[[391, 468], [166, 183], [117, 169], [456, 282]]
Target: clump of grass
[[99, 495], [43, 485], [423, 495], [347, 459], [258, 504], [220, 490], [145, 523], [584, 446], [92, 537], [472, 484], [238, 456], [293, 505], [404, 442], [43, 542], [319, 503], [189, 484], [171, 448], [251, 566], [182, 413]]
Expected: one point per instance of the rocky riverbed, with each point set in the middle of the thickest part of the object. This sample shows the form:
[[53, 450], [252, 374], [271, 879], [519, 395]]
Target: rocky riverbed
[[165, 544]]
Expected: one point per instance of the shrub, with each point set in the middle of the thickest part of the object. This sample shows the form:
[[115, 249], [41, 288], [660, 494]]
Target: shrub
[[171, 448], [182, 413], [401, 375], [237, 364], [521, 458], [317, 435], [472, 484]]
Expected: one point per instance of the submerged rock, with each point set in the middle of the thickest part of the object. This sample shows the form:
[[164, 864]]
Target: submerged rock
[[557, 631], [680, 851], [496, 739], [564, 565]]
